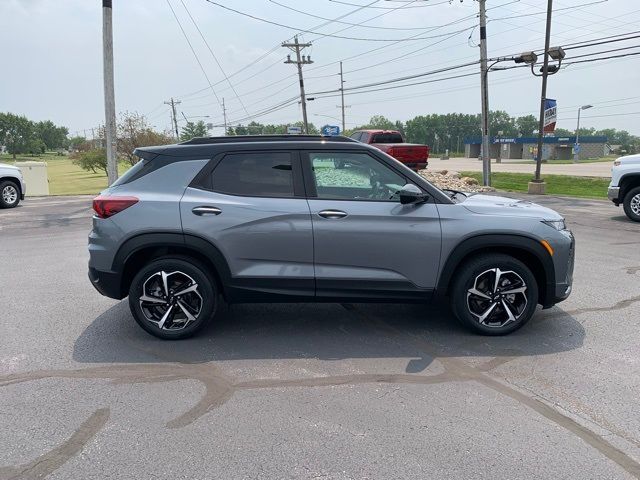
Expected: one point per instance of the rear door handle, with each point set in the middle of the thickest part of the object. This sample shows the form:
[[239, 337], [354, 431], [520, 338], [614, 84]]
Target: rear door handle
[[332, 214], [204, 210]]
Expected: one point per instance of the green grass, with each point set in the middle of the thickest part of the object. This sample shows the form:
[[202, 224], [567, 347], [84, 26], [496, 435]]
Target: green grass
[[586, 187], [65, 178]]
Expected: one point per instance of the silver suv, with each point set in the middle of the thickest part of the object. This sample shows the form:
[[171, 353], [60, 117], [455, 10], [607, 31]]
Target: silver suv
[[313, 219]]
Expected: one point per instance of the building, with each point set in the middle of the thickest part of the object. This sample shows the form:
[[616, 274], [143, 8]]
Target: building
[[553, 148]]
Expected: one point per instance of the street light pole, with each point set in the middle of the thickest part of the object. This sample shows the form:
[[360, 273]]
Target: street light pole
[[576, 147]]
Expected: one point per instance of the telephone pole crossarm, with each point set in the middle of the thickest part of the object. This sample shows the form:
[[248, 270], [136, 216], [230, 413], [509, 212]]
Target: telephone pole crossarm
[[299, 61]]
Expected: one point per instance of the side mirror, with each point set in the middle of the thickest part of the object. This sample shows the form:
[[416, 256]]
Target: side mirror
[[412, 194]]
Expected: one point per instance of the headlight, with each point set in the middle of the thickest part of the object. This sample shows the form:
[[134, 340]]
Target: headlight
[[557, 224], [617, 163]]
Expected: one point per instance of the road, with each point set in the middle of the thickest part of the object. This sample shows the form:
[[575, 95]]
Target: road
[[314, 391], [596, 169]]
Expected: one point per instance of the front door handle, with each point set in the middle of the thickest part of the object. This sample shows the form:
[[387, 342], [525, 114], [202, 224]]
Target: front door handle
[[204, 210], [332, 214]]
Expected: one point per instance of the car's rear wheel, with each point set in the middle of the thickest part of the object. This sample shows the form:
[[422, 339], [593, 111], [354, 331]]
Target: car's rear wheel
[[494, 294], [9, 194], [631, 204], [173, 297]]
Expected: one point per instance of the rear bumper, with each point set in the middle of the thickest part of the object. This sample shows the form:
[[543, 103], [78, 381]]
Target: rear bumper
[[106, 283], [613, 194]]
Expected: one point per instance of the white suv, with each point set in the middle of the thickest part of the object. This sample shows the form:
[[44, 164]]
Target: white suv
[[12, 186], [625, 185]]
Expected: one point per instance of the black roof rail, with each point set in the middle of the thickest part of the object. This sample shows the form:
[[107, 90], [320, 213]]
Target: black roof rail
[[265, 138]]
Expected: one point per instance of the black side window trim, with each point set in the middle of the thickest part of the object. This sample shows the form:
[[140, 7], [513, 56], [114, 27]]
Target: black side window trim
[[204, 179]]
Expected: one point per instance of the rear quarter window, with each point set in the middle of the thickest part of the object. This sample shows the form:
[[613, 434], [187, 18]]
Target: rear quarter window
[[135, 172]]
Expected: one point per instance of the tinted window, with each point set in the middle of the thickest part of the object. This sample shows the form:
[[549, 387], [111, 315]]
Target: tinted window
[[354, 176], [133, 173], [387, 138], [356, 135], [264, 174]]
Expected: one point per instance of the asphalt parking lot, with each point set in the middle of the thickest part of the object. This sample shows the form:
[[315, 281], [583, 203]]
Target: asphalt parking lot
[[314, 391]]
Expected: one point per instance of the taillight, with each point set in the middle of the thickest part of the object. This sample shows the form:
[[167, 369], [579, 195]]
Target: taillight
[[106, 207]]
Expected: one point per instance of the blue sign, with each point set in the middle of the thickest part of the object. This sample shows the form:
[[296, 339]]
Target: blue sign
[[576, 148], [330, 130]]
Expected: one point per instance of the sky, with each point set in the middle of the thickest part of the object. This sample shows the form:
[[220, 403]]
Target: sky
[[52, 59]]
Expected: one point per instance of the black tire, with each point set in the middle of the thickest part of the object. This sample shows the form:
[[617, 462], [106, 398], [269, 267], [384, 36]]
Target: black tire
[[631, 204], [9, 189], [181, 273], [480, 273]]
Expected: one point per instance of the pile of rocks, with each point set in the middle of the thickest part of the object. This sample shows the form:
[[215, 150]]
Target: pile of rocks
[[454, 181]]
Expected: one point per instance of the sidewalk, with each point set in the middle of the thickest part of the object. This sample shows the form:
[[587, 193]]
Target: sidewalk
[[598, 169]]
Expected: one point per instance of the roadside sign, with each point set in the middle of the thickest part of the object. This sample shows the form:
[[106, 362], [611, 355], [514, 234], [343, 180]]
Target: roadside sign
[[330, 130], [294, 130], [576, 148]]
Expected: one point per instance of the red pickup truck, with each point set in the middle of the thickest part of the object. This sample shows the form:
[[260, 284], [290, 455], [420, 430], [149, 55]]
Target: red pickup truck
[[413, 155]]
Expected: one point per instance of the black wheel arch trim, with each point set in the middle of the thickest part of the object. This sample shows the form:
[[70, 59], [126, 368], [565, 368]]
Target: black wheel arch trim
[[497, 241], [627, 182], [167, 240]]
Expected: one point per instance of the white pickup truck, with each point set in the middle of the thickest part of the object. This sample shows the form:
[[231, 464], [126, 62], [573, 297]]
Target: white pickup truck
[[12, 186], [625, 185]]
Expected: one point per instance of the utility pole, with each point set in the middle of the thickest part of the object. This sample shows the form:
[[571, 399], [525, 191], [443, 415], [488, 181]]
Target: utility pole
[[300, 60], [342, 97], [174, 118], [537, 185], [109, 95], [224, 115], [484, 71]]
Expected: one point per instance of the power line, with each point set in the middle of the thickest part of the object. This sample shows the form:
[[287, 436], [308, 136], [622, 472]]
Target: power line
[[303, 30], [274, 49], [213, 55], [543, 12], [389, 8], [349, 23], [193, 51]]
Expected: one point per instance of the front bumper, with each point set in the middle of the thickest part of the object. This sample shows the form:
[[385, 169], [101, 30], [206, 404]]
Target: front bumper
[[564, 286], [613, 194]]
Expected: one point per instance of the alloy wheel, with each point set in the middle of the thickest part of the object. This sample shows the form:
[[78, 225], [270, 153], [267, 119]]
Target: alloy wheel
[[635, 204], [10, 194], [497, 297], [170, 300]]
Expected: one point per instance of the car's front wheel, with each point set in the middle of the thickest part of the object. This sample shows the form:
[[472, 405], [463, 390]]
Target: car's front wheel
[[173, 297], [631, 204], [494, 294], [9, 194]]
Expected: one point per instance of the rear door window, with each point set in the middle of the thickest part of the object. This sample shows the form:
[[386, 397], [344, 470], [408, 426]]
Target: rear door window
[[260, 174]]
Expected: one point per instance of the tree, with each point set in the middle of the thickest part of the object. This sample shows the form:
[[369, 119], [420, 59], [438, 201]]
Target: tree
[[134, 131], [51, 135], [527, 125], [74, 143], [91, 160], [17, 133], [191, 130]]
